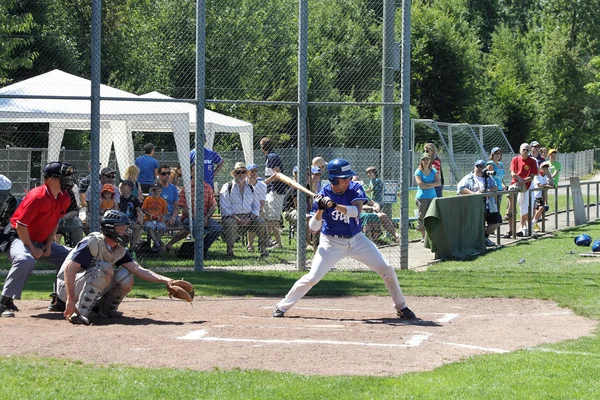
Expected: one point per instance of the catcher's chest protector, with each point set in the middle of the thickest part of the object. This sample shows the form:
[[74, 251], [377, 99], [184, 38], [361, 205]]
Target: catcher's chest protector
[[100, 251]]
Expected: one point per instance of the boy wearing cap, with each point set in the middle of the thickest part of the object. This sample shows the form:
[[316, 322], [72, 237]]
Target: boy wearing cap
[[555, 166], [541, 180], [107, 175], [478, 181], [154, 210], [34, 225], [107, 199], [132, 207]]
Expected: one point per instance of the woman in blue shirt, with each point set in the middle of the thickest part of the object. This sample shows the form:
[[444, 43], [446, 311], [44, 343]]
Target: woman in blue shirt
[[496, 165], [427, 179]]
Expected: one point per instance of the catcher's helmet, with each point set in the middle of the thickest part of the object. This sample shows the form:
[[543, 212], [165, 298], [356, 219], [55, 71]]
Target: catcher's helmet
[[596, 246], [110, 220], [339, 168], [583, 240]]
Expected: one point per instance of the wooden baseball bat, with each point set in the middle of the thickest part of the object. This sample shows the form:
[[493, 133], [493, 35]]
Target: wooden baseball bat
[[290, 182]]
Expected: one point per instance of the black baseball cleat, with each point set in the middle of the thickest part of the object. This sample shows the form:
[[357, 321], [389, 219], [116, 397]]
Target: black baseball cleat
[[5, 312], [11, 306], [77, 319], [406, 313], [56, 304], [278, 313]]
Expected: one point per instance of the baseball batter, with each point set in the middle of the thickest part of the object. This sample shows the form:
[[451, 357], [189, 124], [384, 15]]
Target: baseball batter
[[98, 273], [341, 236]]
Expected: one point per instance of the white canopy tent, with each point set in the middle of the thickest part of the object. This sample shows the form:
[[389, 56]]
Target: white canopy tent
[[215, 122]]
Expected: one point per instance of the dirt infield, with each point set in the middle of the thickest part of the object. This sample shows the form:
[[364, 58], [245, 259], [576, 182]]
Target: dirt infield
[[324, 336]]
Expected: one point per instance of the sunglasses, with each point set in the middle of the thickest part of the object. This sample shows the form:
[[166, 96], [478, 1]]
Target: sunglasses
[[526, 149], [479, 166], [165, 173], [112, 176], [240, 172]]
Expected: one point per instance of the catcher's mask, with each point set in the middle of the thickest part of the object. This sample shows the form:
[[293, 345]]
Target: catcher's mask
[[64, 171], [111, 220]]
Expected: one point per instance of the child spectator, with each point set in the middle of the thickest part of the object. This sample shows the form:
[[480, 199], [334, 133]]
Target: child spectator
[[154, 210], [107, 198], [541, 180], [130, 205]]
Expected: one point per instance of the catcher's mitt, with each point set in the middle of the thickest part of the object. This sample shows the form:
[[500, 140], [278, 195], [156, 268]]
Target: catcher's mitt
[[181, 289]]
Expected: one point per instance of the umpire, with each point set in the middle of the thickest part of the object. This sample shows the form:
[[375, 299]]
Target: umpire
[[33, 226]]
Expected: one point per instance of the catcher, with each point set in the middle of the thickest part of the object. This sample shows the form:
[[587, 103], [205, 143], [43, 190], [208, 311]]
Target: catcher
[[98, 273]]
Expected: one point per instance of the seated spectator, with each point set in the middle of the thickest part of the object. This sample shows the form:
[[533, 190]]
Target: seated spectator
[[372, 219], [240, 210], [175, 177], [478, 181], [260, 191], [290, 208], [107, 199], [541, 180], [70, 224], [171, 195], [212, 229], [375, 187], [131, 206], [131, 174], [315, 179], [154, 210], [107, 175]]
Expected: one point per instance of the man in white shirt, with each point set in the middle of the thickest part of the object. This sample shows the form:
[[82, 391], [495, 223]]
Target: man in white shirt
[[240, 209]]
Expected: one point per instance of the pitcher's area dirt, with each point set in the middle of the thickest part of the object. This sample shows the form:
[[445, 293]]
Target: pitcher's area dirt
[[324, 336]]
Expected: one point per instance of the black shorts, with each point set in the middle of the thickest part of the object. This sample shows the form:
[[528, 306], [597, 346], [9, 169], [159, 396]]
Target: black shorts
[[539, 202], [493, 218]]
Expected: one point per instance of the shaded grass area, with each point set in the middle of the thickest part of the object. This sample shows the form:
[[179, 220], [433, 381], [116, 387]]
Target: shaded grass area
[[549, 268]]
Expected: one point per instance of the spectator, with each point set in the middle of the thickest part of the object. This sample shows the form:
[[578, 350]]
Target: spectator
[[535, 152], [544, 153], [315, 179], [321, 163], [427, 179], [375, 188], [8, 203], [523, 169], [107, 175], [240, 210], [372, 219], [171, 195], [34, 225], [154, 210], [495, 165], [541, 180], [436, 163], [275, 190], [107, 199], [70, 224], [148, 166], [555, 166], [131, 174], [260, 191], [212, 164], [175, 177], [290, 207], [478, 181], [212, 229], [131, 206]]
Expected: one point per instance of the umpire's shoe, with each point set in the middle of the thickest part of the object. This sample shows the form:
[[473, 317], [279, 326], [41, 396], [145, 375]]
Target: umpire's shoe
[[406, 313], [7, 307], [278, 313]]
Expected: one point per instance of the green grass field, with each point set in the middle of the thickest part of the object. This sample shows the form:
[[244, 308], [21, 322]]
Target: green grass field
[[550, 271]]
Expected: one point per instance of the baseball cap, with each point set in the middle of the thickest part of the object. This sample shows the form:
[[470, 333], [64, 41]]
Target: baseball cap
[[108, 188], [128, 183], [5, 183], [495, 149], [295, 169], [425, 155], [315, 170], [107, 171], [156, 186], [534, 143], [552, 151], [545, 164], [250, 167], [479, 162]]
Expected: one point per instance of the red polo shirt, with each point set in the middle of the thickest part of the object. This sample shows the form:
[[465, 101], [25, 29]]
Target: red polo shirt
[[524, 168], [40, 211]]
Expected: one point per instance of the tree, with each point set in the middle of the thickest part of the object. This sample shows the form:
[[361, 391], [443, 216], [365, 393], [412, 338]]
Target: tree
[[14, 26]]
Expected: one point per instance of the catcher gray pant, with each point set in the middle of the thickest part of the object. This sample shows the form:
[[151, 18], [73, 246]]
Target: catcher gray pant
[[330, 251], [23, 264], [97, 286]]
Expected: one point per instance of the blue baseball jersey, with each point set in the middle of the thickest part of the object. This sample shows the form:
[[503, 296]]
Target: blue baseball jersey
[[336, 223]]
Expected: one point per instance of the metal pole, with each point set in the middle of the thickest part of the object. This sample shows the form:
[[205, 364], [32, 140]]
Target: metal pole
[[405, 136], [96, 47], [387, 116], [198, 225], [302, 130]]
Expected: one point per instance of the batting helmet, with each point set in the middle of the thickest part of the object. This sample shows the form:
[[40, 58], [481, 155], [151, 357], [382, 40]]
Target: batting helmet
[[339, 168], [109, 223], [583, 240], [596, 246]]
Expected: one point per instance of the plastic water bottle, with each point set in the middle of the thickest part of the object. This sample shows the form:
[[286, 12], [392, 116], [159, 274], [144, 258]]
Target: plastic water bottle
[[82, 214]]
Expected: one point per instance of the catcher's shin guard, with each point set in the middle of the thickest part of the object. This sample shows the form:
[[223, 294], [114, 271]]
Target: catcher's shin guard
[[121, 285], [96, 281]]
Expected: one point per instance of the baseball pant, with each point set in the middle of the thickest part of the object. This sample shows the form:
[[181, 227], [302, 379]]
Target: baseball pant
[[23, 263], [330, 251]]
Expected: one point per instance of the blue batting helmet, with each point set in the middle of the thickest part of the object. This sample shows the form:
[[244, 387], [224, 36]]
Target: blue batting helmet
[[596, 246], [583, 240], [339, 168]]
